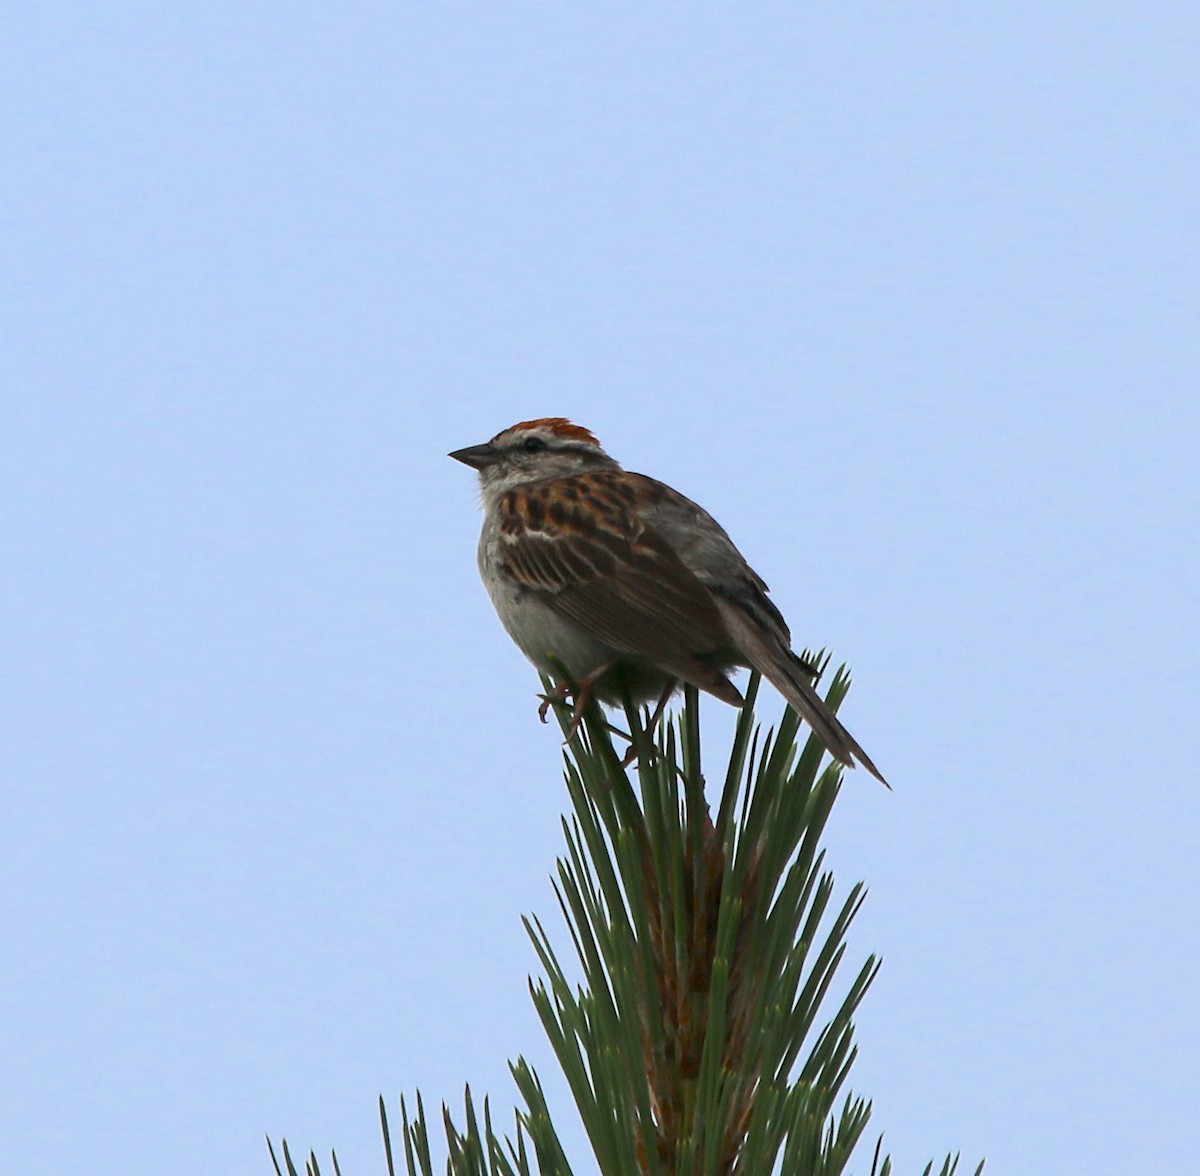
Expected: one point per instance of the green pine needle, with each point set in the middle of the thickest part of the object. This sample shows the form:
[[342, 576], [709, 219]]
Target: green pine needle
[[702, 1036]]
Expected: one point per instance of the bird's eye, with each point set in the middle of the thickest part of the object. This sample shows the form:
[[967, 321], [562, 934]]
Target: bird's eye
[[533, 445]]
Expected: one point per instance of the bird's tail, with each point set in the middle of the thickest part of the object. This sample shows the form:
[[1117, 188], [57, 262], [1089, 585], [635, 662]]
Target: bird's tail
[[789, 675]]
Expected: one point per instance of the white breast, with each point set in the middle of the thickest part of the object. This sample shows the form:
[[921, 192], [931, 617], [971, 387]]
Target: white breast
[[539, 632]]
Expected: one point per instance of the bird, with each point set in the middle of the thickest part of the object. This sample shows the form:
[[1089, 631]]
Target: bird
[[625, 584]]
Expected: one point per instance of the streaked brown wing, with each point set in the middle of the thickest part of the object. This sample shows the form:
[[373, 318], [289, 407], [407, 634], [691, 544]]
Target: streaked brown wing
[[705, 547], [580, 543]]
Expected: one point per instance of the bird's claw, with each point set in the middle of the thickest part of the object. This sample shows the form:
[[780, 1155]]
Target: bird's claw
[[556, 697]]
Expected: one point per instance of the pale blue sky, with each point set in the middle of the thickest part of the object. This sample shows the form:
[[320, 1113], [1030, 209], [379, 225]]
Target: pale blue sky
[[905, 294]]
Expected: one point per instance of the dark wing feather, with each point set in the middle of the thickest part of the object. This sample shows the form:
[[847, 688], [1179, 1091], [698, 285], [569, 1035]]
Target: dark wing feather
[[705, 547], [580, 543], [756, 626]]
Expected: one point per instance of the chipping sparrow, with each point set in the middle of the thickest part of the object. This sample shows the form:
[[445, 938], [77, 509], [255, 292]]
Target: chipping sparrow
[[625, 582]]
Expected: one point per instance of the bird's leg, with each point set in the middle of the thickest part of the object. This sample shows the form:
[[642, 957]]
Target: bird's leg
[[557, 696], [631, 755], [583, 696], [664, 698]]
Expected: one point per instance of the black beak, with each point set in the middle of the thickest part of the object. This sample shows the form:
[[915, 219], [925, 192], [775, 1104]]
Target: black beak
[[478, 457]]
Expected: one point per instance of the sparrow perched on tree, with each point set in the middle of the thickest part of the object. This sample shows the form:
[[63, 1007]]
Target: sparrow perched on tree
[[625, 583]]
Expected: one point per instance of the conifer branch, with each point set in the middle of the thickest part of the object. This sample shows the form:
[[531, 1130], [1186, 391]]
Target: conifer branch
[[693, 1025]]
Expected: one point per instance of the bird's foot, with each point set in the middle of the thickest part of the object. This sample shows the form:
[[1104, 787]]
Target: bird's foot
[[556, 697], [631, 756], [580, 695], [583, 697]]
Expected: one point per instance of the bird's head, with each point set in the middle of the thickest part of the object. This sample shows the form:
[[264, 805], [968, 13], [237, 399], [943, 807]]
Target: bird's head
[[550, 447]]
